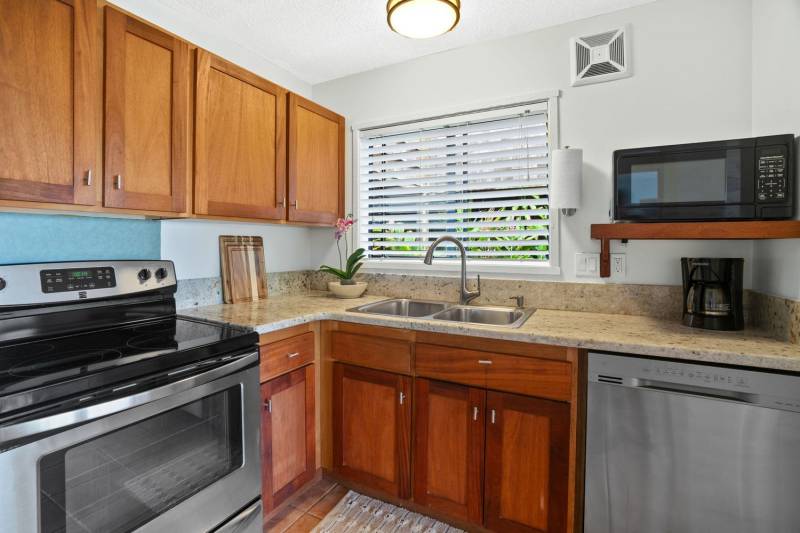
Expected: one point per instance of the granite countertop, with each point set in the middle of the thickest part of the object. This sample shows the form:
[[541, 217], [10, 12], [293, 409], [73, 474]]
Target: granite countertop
[[616, 333]]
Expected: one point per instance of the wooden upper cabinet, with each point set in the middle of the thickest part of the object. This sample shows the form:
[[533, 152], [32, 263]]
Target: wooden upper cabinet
[[240, 142], [527, 464], [49, 101], [147, 121], [449, 428], [372, 428], [316, 162], [287, 435]]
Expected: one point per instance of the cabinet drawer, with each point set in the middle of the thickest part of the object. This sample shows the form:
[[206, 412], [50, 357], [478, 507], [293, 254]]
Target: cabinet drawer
[[524, 375], [374, 352], [282, 356]]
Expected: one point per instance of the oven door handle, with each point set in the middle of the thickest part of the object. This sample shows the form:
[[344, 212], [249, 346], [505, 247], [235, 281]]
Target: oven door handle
[[47, 424]]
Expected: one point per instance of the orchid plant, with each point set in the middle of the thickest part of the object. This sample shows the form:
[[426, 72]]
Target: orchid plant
[[347, 270]]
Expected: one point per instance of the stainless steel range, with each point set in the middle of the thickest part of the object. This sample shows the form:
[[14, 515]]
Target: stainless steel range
[[118, 415]]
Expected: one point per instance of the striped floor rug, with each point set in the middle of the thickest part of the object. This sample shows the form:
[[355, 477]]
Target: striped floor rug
[[357, 513]]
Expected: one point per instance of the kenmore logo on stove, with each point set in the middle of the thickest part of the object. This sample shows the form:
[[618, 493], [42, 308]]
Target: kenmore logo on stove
[[82, 295]]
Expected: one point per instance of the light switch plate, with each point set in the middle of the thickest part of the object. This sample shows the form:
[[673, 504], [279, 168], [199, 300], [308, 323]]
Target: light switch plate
[[587, 265]]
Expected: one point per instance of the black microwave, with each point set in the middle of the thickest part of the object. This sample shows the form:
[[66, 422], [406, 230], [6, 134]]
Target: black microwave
[[742, 179]]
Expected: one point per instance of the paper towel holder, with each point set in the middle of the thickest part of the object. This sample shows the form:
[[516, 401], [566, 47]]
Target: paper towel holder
[[565, 187]]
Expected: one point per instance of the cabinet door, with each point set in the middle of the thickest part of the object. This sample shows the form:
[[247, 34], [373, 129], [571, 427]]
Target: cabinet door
[[449, 426], [527, 460], [240, 142], [288, 438], [49, 105], [148, 81], [372, 428], [316, 162]]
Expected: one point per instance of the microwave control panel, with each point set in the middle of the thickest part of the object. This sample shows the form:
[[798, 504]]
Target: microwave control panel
[[772, 176]]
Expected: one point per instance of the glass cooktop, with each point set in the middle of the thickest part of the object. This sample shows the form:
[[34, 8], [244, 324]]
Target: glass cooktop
[[96, 358]]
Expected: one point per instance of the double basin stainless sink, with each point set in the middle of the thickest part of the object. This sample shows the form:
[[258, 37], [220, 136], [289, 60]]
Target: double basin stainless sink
[[471, 314]]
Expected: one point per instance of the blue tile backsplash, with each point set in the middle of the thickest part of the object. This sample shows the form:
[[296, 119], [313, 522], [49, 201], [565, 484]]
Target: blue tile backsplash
[[30, 238]]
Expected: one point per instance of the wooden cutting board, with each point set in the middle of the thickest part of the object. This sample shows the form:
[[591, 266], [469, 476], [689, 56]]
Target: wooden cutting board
[[244, 273]]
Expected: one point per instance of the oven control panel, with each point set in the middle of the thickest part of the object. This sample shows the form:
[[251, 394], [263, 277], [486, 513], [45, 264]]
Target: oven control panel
[[771, 177], [77, 279]]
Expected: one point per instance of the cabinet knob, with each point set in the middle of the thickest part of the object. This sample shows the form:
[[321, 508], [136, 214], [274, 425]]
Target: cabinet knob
[[89, 177], [292, 355], [268, 405], [484, 362], [475, 413], [493, 416], [118, 182], [295, 205], [402, 398]]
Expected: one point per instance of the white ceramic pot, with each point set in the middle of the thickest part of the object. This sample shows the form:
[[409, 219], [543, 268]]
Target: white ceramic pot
[[347, 291]]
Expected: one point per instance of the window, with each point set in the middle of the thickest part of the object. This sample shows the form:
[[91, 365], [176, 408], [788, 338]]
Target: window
[[479, 176]]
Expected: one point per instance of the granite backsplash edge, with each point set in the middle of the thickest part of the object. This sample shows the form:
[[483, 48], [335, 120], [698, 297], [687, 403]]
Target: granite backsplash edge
[[777, 317]]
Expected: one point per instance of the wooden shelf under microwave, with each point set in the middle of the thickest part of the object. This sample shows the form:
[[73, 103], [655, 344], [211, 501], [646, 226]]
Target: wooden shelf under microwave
[[741, 230]]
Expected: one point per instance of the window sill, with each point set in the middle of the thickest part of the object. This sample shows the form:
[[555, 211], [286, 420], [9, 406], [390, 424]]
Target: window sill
[[448, 269]]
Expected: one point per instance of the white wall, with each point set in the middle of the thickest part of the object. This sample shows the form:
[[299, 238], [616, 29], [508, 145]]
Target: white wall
[[193, 244], [691, 82], [776, 109]]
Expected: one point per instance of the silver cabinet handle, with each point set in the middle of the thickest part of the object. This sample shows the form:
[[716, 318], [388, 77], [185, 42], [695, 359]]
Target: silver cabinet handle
[[295, 205], [282, 203], [493, 416], [118, 181], [89, 178], [484, 362], [268, 405], [402, 398], [292, 355], [475, 413]]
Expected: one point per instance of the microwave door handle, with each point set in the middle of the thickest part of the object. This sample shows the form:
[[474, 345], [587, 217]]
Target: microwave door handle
[[47, 424]]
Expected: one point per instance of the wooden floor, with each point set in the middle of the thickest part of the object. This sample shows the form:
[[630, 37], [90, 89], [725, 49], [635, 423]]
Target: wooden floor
[[303, 512]]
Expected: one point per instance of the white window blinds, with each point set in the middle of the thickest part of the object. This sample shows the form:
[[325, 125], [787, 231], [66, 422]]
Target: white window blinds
[[481, 177]]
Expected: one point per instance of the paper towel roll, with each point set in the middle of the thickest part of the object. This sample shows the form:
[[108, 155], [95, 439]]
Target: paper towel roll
[[566, 178]]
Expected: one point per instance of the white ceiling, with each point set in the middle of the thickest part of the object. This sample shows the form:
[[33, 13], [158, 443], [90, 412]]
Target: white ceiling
[[320, 40]]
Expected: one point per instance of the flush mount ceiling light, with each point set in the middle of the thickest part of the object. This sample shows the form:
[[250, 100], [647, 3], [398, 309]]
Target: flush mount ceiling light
[[420, 19]]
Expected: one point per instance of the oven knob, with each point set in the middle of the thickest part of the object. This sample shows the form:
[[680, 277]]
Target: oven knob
[[161, 273], [2, 284], [144, 274]]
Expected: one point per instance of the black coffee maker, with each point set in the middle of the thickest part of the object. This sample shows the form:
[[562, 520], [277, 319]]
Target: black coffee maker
[[712, 293]]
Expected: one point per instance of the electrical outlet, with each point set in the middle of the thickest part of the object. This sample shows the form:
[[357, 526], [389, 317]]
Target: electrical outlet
[[619, 267], [587, 265]]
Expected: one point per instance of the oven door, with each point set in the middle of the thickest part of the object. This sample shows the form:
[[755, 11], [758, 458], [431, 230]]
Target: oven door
[[180, 457], [712, 182]]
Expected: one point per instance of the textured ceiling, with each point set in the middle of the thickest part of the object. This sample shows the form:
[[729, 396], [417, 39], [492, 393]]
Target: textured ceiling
[[319, 40]]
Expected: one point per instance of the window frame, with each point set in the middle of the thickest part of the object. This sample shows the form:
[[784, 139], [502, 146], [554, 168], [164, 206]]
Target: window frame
[[449, 267]]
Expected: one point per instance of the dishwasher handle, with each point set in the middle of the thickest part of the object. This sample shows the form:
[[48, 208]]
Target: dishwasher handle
[[694, 390]]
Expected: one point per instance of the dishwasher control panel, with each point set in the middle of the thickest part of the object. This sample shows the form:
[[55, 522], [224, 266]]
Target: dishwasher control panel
[[756, 387]]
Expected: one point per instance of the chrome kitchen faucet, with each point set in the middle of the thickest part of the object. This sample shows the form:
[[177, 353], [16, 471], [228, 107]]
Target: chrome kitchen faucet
[[466, 295]]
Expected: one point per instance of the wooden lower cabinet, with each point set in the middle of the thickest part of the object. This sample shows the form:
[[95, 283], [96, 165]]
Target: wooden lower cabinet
[[448, 448], [527, 464], [288, 438], [372, 428]]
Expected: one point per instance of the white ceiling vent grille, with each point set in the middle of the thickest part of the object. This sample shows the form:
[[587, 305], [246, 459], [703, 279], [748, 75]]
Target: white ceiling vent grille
[[600, 57]]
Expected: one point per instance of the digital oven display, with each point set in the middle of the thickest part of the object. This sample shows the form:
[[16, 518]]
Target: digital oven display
[[77, 279]]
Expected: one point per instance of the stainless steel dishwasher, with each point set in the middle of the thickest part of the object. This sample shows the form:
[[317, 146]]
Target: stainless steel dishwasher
[[684, 448]]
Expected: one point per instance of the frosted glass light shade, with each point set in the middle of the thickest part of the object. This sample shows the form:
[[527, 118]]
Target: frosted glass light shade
[[566, 179], [421, 19]]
